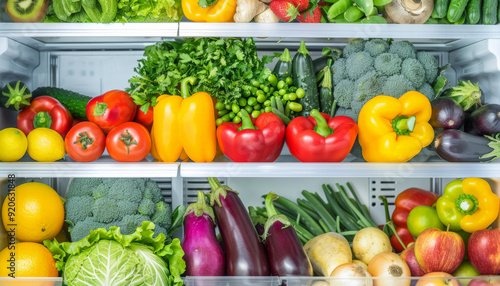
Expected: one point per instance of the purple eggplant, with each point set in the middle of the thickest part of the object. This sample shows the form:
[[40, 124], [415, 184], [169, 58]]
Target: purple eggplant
[[203, 253], [446, 114], [485, 120], [457, 146], [245, 255], [285, 252]]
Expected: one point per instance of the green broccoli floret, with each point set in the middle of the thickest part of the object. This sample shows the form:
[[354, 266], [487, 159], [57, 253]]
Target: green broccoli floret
[[100, 191], [152, 191], [427, 90], [158, 229], [358, 64], [82, 186], [346, 112], [414, 71], [162, 215], [78, 208], [343, 93], [338, 70], [430, 64], [82, 228], [376, 47], [105, 210], [353, 46], [127, 189], [403, 49], [130, 223], [367, 86], [146, 207], [388, 64], [396, 85], [127, 207]]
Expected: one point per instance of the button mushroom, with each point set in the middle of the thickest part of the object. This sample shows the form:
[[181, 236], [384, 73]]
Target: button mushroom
[[409, 11]]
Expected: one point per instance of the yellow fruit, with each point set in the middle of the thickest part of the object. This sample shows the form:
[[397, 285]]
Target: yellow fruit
[[27, 259], [13, 144], [45, 145], [37, 211]]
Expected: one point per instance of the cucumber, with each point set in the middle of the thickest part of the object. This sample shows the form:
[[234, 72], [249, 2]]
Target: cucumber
[[490, 12], [283, 67], [456, 10], [321, 62], [461, 20], [15, 96], [73, 101], [304, 77], [473, 11], [440, 8], [325, 91]]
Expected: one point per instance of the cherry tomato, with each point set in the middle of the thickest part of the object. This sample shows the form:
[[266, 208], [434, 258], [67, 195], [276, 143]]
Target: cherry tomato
[[145, 119], [111, 109], [85, 142], [128, 142]]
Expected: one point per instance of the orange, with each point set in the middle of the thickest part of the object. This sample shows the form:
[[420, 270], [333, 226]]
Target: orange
[[33, 213], [30, 259]]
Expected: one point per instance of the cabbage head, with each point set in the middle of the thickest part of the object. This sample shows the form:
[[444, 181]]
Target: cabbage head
[[109, 258]]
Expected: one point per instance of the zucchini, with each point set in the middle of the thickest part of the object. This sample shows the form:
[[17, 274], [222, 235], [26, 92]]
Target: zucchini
[[490, 12], [304, 77], [73, 101], [325, 91], [456, 10], [321, 62], [473, 11], [15, 96], [440, 9], [283, 67]]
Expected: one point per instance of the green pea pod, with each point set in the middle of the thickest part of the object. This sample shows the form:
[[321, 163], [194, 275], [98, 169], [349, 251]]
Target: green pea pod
[[365, 5], [374, 20], [457, 9], [338, 8], [353, 14], [473, 11]]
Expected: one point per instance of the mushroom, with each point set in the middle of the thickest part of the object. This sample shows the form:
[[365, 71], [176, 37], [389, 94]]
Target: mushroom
[[409, 11]]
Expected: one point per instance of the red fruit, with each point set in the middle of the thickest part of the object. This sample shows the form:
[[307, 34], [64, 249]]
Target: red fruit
[[285, 10], [408, 256], [301, 5], [484, 251], [305, 17]]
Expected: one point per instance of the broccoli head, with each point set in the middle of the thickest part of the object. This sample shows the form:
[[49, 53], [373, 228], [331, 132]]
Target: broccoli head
[[403, 49], [105, 210], [430, 64], [78, 208], [127, 189], [388, 64], [396, 85], [130, 223], [162, 215], [82, 228], [427, 90], [158, 229], [82, 186], [338, 70], [414, 71], [343, 93], [127, 207], [367, 86], [152, 191], [146, 207], [358, 64], [354, 46], [376, 47]]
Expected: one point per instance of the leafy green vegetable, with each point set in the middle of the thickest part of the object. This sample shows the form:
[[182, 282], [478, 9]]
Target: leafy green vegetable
[[111, 258], [223, 68]]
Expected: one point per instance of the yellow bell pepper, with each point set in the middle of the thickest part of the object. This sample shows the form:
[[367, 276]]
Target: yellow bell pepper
[[479, 204], [220, 11], [395, 130], [184, 126]]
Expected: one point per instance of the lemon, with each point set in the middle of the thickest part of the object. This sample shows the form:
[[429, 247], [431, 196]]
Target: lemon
[[13, 144], [45, 145]]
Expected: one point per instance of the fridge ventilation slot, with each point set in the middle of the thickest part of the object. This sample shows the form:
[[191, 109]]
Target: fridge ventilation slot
[[165, 185], [191, 187]]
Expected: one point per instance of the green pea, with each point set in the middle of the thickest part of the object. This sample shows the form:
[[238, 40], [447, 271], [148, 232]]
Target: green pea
[[282, 92], [219, 121], [220, 106], [289, 81], [252, 101], [242, 101], [255, 113], [239, 114], [228, 106], [259, 92], [286, 97], [281, 84], [266, 89], [236, 119], [248, 108], [262, 110], [267, 102], [292, 96], [268, 109], [231, 115], [272, 89], [261, 98], [254, 90], [256, 83], [273, 80], [247, 93], [235, 108], [257, 106], [300, 92], [222, 112], [295, 106], [275, 93], [225, 118], [292, 89]]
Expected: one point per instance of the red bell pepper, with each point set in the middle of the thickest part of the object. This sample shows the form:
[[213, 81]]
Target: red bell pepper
[[111, 109], [47, 112], [320, 138], [246, 142]]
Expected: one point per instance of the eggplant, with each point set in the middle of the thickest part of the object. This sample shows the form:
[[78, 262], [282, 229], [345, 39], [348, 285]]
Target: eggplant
[[203, 253], [285, 252], [245, 255], [457, 146], [446, 114], [485, 120]]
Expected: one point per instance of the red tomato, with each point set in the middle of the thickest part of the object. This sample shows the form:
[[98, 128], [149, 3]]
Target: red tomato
[[128, 142], [111, 109], [85, 142], [145, 119]]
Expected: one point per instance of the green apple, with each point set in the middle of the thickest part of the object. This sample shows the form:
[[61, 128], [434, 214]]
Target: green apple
[[465, 270]]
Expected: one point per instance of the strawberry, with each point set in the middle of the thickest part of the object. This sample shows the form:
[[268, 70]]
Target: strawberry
[[305, 17], [302, 5], [284, 9]]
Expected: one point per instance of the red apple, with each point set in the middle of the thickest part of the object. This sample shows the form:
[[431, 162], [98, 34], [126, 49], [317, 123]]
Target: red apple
[[485, 281], [408, 256], [439, 251], [438, 279], [483, 249]]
